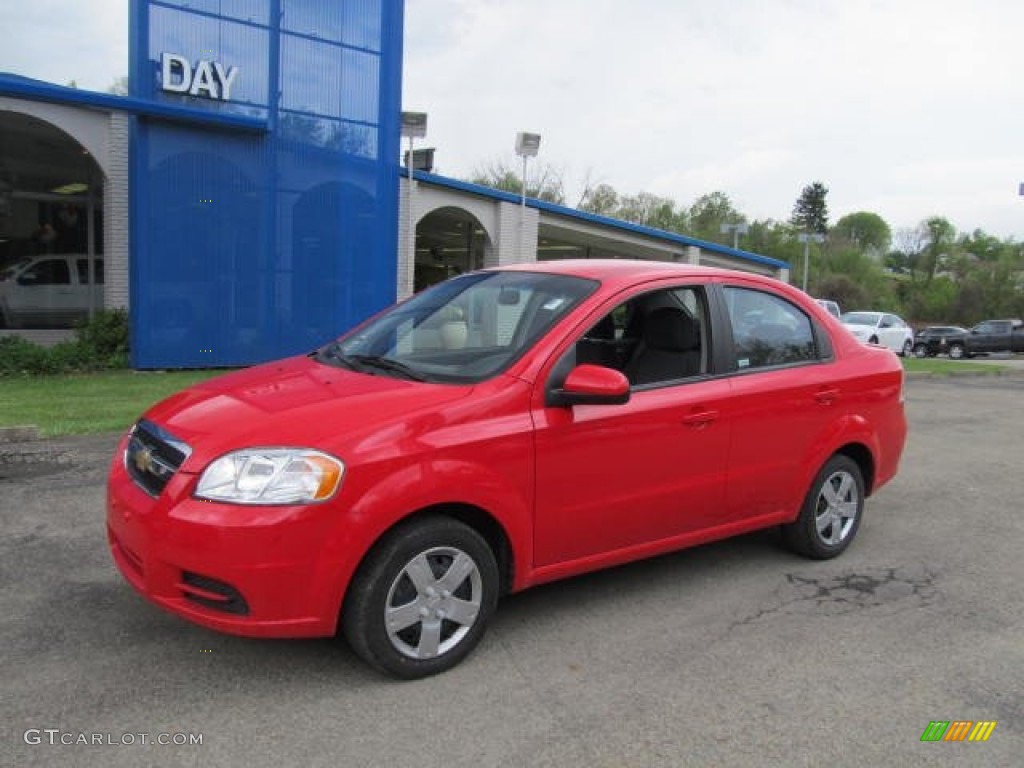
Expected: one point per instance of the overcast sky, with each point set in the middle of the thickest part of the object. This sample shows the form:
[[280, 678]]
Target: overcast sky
[[906, 108]]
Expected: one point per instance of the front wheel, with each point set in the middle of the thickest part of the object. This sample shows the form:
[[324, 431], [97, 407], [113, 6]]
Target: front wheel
[[956, 351], [831, 512], [421, 601], [908, 347], [921, 350]]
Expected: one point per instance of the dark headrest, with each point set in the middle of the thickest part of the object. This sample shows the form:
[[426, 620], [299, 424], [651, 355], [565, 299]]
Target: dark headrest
[[670, 329]]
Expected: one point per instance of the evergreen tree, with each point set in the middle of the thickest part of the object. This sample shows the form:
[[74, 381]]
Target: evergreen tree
[[810, 214]]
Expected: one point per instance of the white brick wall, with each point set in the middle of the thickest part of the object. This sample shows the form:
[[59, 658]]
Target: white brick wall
[[116, 240]]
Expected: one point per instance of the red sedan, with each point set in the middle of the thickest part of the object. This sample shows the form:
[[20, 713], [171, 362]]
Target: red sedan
[[502, 429]]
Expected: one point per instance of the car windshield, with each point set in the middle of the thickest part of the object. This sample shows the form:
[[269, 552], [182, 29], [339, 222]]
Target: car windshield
[[860, 318], [463, 330]]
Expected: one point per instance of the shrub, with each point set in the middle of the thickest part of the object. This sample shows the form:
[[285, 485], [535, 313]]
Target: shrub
[[104, 338], [99, 344]]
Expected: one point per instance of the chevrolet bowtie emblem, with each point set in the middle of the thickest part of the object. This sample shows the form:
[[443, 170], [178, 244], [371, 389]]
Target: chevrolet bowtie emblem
[[143, 460]]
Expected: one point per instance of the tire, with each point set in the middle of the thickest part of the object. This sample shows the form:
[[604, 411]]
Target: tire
[[423, 573], [956, 352], [908, 348], [873, 340], [831, 513], [921, 350]]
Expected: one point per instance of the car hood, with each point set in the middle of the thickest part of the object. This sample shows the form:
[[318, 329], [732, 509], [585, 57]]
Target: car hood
[[293, 402], [859, 329]]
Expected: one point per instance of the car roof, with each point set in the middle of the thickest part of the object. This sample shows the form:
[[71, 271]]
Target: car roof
[[628, 270]]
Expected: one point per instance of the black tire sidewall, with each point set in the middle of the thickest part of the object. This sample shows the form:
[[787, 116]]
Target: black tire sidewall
[[363, 613], [802, 536]]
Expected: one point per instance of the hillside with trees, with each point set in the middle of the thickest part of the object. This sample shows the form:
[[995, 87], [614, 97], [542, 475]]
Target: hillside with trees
[[930, 273]]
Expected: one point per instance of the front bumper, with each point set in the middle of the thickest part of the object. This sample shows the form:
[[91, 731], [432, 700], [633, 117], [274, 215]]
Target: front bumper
[[245, 570]]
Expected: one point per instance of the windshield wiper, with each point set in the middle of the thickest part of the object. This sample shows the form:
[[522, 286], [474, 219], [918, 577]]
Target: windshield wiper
[[333, 352], [387, 364]]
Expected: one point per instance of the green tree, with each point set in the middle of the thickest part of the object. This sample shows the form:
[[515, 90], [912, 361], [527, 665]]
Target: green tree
[[709, 212], [602, 200], [651, 211], [867, 231], [810, 214], [543, 181], [940, 236]]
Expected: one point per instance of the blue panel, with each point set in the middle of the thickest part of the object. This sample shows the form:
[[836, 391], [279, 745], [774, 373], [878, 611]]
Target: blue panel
[[356, 22], [207, 38], [252, 246], [256, 11], [324, 79]]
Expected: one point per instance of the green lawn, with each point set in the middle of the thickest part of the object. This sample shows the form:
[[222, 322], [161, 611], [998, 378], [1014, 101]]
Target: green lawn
[[100, 402], [106, 402], [942, 367]]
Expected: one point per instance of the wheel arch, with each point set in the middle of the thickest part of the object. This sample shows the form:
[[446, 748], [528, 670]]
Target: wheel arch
[[475, 517], [861, 455]]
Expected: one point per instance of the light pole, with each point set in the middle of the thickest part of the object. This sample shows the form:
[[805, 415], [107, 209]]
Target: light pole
[[737, 230], [806, 238], [527, 145], [414, 126]]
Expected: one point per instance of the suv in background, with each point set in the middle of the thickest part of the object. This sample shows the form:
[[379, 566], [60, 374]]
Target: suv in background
[[940, 340], [50, 290]]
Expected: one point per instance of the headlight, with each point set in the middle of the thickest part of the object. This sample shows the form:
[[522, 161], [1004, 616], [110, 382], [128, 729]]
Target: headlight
[[271, 476]]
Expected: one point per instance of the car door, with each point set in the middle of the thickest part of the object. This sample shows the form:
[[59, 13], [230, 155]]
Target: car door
[[613, 477], [889, 335], [783, 393], [89, 289], [42, 291]]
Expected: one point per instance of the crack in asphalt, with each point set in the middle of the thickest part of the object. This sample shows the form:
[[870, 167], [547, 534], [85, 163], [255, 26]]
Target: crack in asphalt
[[898, 589]]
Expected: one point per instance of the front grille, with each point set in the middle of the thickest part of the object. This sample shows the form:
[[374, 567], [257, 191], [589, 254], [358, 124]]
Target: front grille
[[213, 594], [153, 456]]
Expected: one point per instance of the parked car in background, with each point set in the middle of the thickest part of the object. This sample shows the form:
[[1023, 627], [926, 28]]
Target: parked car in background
[[832, 307], [50, 290], [882, 328], [995, 336], [496, 431], [940, 340]]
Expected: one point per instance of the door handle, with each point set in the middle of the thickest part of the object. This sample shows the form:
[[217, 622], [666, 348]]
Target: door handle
[[700, 419], [826, 396]]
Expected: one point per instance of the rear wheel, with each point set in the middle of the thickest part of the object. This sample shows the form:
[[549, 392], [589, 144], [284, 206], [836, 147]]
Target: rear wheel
[[956, 351], [908, 347], [831, 512], [421, 601]]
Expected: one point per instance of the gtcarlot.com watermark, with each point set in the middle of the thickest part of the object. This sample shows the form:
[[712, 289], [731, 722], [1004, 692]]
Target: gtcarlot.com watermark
[[58, 737]]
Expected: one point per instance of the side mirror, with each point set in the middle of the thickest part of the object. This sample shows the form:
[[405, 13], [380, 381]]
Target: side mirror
[[591, 385]]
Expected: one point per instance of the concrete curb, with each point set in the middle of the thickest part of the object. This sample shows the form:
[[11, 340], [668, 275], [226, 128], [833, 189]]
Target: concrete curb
[[21, 434]]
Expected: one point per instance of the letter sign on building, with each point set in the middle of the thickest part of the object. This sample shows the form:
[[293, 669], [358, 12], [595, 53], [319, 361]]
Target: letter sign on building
[[207, 78]]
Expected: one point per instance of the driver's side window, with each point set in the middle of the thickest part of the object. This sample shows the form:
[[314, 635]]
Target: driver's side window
[[655, 338]]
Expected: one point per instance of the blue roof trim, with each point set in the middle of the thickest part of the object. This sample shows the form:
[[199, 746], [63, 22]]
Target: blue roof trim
[[605, 221], [36, 90]]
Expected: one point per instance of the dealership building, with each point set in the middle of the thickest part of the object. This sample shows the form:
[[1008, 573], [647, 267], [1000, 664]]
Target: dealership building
[[246, 199]]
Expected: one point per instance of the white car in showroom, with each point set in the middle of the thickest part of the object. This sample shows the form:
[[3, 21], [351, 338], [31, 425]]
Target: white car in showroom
[[882, 328]]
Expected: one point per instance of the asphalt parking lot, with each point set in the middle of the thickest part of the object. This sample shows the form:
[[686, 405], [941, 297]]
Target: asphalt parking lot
[[732, 654]]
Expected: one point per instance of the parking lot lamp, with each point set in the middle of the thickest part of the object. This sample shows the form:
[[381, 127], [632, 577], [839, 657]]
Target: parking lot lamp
[[806, 238], [414, 126], [527, 145]]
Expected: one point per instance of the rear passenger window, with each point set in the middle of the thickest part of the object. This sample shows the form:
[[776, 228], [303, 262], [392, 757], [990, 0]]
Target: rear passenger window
[[768, 330]]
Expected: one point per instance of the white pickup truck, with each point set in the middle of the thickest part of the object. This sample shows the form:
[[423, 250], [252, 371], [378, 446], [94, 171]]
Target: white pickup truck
[[50, 290]]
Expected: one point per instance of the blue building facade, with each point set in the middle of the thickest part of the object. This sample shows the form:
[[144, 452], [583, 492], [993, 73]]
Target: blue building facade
[[264, 204]]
